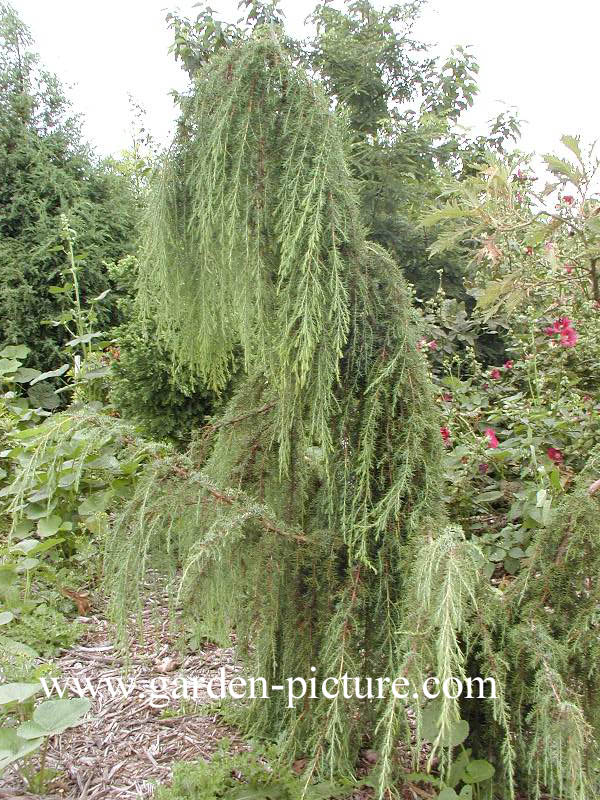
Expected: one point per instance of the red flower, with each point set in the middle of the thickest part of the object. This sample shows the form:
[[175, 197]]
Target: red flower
[[495, 374], [492, 439], [447, 397], [445, 435], [569, 199], [554, 455], [483, 468], [529, 251], [568, 268], [508, 364]]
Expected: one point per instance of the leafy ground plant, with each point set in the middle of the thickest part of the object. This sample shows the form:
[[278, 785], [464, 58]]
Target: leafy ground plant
[[257, 775], [30, 729]]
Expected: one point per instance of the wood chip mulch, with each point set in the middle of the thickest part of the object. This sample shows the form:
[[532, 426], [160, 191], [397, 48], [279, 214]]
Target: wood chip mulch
[[126, 746]]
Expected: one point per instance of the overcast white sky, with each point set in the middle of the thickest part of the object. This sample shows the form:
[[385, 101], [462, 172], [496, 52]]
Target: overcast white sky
[[540, 56]]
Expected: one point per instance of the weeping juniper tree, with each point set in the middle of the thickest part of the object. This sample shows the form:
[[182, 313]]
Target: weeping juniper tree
[[309, 516], [325, 472]]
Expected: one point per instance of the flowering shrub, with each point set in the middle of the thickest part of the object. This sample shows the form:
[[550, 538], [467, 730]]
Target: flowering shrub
[[517, 432]]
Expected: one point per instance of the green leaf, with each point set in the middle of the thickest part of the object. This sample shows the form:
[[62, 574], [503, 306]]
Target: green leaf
[[8, 576], [14, 648], [459, 731], [48, 526], [17, 692], [43, 396], [19, 351], [28, 563], [487, 497], [43, 493], [573, 144], [445, 213], [25, 374], [25, 546], [13, 747], [55, 373], [478, 770], [8, 365], [447, 794], [104, 461], [563, 169], [92, 374], [430, 727], [5, 618], [36, 511], [512, 565], [95, 503], [458, 767], [55, 716], [85, 339], [48, 544]]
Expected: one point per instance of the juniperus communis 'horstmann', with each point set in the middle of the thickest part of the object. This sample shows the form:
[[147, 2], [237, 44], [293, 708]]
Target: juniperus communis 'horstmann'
[[309, 516]]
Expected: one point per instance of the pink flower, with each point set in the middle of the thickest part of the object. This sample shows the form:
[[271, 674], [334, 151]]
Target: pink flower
[[495, 374], [568, 268], [492, 439], [447, 397], [508, 364], [445, 434], [568, 337], [483, 468], [569, 199], [564, 327], [554, 455], [432, 345], [529, 251]]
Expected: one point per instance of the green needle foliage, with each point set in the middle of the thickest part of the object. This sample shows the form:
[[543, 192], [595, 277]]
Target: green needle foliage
[[308, 518], [324, 472]]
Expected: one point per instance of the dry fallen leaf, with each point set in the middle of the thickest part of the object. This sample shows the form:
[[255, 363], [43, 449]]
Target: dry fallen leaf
[[299, 765], [370, 756], [81, 600], [168, 664]]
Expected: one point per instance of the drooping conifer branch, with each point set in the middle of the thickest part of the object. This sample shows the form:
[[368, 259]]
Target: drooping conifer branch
[[255, 246]]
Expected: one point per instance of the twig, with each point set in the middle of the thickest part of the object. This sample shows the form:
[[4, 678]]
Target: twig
[[211, 428]]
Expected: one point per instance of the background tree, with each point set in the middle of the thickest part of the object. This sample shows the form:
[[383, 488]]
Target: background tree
[[47, 169]]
